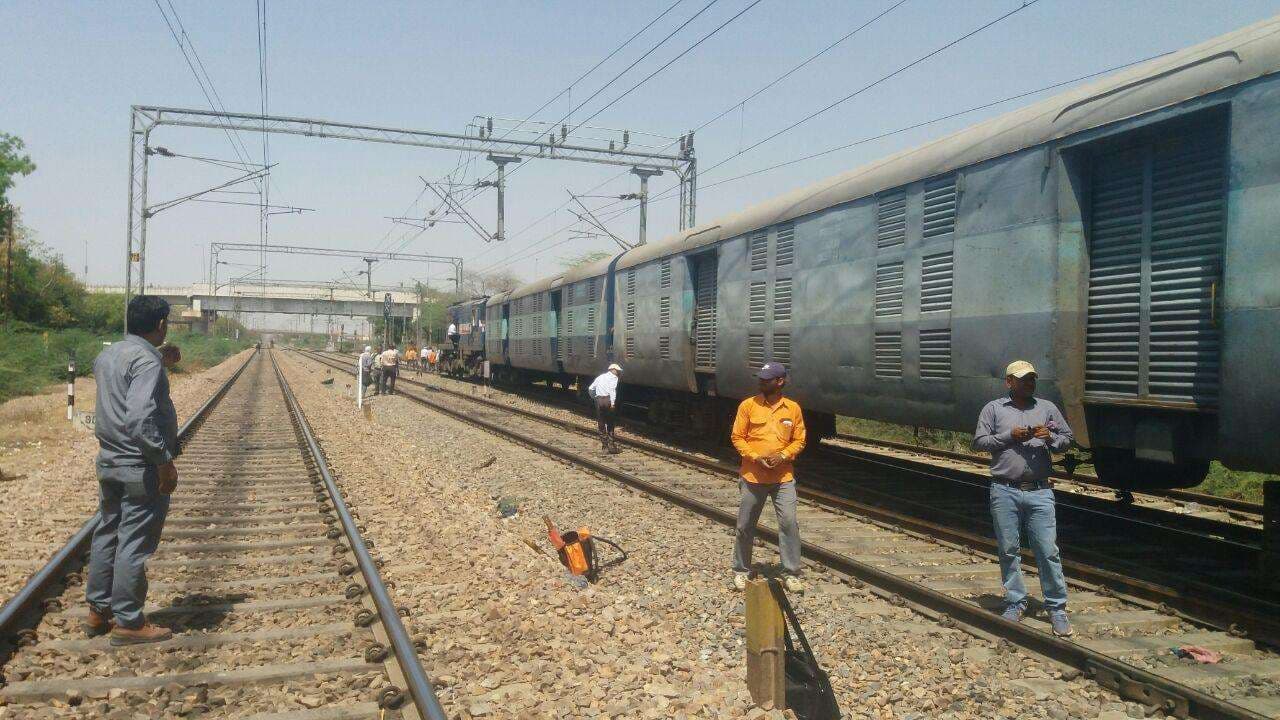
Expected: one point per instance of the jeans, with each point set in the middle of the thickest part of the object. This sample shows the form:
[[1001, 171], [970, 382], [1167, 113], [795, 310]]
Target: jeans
[[132, 514], [1011, 509], [387, 383], [754, 496]]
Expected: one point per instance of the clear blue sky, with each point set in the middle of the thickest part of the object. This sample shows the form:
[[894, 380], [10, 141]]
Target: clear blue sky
[[72, 69]]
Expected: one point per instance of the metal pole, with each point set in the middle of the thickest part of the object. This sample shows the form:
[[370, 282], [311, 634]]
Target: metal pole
[[128, 238], [693, 192], [501, 161], [142, 230], [8, 259], [645, 174], [71, 388]]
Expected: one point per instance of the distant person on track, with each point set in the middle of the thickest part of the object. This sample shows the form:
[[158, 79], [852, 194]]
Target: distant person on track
[[411, 356], [377, 370], [604, 394], [768, 432], [390, 359], [454, 337], [365, 366], [137, 431], [1020, 431]]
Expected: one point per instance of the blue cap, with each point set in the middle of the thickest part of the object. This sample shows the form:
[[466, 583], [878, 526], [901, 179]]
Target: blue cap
[[772, 370]]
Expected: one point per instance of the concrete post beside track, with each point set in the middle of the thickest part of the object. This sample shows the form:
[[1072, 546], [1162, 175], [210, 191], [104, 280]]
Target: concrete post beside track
[[766, 656]]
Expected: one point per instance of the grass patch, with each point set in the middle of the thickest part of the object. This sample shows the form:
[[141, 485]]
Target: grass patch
[[1241, 484], [32, 359], [948, 440]]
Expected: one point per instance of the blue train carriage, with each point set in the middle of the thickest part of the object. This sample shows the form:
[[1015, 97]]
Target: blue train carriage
[[1117, 236], [497, 336], [531, 316], [469, 318], [587, 342]]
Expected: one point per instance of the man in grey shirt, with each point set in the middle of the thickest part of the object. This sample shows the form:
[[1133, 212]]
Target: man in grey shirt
[[1019, 431], [137, 430]]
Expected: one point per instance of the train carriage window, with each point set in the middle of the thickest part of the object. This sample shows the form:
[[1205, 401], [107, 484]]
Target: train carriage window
[[784, 251], [939, 207], [935, 354], [782, 348], [664, 348], [889, 279], [936, 282], [631, 317], [888, 355], [755, 351], [756, 307], [664, 274], [891, 219], [664, 312], [631, 282], [760, 250], [782, 299], [631, 348], [591, 321]]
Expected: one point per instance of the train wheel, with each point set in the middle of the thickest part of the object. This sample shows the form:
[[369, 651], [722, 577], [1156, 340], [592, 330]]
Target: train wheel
[[1119, 468]]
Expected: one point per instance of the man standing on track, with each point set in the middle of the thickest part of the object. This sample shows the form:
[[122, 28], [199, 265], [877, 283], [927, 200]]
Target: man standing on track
[[365, 365], [604, 393], [768, 432], [390, 366], [1019, 431], [137, 431]]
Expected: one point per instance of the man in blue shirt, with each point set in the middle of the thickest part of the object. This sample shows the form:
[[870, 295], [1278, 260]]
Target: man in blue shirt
[[137, 430], [1019, 431]]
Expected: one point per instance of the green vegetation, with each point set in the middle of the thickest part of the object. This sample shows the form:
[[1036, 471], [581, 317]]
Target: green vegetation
[[1221, 481]]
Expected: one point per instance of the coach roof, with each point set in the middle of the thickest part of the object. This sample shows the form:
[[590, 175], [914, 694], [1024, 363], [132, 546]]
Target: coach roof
[[1226, 60]]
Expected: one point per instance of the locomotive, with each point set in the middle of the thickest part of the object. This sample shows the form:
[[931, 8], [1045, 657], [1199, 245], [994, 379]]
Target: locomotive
[[1120, 236]]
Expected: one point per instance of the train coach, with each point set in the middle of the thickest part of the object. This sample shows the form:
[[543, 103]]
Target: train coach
[[1121, 236]]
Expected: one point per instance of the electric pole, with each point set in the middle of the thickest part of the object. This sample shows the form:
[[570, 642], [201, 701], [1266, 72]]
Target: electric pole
[[502, 161], [645, 174]]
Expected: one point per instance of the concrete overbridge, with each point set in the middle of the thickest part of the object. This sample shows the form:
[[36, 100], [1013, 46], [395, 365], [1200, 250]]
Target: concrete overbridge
[[294, 299]]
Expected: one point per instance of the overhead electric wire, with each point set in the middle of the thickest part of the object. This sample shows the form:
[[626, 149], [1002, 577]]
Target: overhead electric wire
[[730, 108], [862, 141], [619, 75], [470, 157]]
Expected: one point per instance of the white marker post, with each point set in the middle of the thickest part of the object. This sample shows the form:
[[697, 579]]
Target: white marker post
[[71, 389], [359, 384]]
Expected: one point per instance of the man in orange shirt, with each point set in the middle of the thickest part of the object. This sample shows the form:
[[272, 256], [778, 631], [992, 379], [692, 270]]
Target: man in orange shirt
[[768, 433]]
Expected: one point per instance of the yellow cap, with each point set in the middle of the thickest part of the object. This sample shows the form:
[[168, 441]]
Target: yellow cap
[[1020, 368]]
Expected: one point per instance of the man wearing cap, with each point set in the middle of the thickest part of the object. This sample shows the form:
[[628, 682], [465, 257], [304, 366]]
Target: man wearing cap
[[768, 433], [1020, 431], [604, 393]]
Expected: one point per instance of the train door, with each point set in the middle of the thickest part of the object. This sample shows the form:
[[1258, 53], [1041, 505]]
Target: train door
[[703, 269], [1157, 224], [558, 334], [506, 332]]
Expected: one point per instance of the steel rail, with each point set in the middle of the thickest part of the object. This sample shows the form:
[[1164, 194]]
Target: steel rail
[[15, 609], [420, 688], [1129, 680]]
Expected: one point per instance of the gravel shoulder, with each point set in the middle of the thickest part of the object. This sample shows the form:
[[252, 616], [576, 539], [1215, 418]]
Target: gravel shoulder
[[47, 466], [662, 634]]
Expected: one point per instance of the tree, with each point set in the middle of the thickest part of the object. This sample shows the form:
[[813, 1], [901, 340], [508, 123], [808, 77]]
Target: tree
[[584, 259], [12, 164], [474, 284]]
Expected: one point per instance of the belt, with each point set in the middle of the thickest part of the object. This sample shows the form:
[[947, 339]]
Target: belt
[[1025, 485]]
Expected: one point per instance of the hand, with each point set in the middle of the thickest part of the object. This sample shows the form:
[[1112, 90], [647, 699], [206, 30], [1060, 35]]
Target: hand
[[170, 355], [1021, 434], [168, 478], [1042, 432]]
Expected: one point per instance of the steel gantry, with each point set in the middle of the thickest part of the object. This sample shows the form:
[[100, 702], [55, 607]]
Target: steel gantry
[[144, 119], [370, 256]]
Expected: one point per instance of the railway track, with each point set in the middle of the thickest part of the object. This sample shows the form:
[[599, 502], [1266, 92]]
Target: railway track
[[277, 606], [1185, 502], [1123, 640]]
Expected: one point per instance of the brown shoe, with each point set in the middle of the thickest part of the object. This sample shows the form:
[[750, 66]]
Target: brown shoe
[[148, 633], [96, 623]]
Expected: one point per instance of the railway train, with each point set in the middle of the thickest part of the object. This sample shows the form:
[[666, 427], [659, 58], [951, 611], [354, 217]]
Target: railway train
[[1122, 236]]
